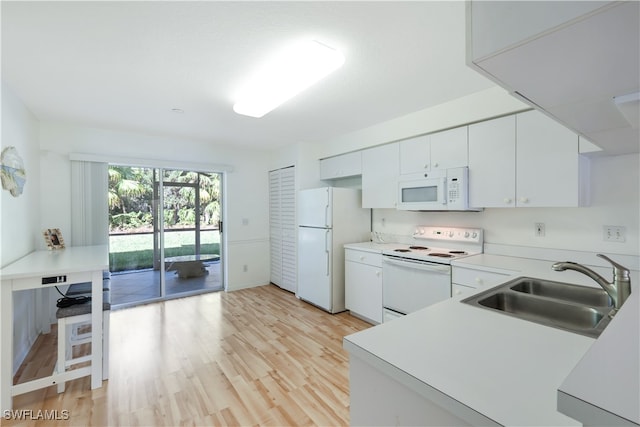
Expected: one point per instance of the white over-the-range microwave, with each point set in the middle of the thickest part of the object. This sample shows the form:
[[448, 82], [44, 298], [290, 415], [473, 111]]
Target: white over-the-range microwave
[[440, 190]]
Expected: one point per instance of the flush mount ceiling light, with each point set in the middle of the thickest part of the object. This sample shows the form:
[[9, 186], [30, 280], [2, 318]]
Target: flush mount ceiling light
[[287, 75]]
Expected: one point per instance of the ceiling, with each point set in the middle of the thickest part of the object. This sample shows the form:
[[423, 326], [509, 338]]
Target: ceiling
[[126, 65]]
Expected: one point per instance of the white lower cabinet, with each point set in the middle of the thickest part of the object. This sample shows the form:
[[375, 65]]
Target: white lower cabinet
[[458, 290], [465, 280], [363, 284]]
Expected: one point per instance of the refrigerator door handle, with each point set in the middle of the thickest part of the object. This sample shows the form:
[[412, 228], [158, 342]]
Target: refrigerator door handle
[[326, 249], [326, 211]]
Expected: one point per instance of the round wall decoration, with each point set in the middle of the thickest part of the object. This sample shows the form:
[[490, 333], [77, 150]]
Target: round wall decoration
[[12, 171]]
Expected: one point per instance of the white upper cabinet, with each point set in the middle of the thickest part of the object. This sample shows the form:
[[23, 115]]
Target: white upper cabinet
[[441, 150], [547, 172], [380, 170], [341, 166], [415, 155], [567, 58], [492, 163], [449, 148], [526, 160]]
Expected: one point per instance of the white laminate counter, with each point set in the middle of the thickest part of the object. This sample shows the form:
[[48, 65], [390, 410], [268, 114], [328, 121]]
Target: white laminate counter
[[604, 388], [506, 369], [371, 246], [534, 268]]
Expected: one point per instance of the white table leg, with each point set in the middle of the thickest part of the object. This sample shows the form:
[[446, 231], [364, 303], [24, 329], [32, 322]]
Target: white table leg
[[96, 330], [6, 344]]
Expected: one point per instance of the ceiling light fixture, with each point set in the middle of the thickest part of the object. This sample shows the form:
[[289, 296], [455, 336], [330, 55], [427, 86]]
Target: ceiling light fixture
[[287, 75]]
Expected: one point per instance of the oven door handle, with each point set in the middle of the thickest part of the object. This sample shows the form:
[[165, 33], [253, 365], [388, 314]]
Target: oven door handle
[[443, 269]]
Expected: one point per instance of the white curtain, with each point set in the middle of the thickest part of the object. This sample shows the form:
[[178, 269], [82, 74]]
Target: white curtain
[[89, 203]]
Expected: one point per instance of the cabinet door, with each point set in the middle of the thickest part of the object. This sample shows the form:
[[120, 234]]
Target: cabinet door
[[492, 156], [363, 290], [342, 166], [380, 176], [275, 228], [547, 162], [289, 229], [449, 149], [460, 290], [415, 155]]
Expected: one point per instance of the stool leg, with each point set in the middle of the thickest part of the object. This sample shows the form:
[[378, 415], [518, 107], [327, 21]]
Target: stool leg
[[62, 353], [105, 344]]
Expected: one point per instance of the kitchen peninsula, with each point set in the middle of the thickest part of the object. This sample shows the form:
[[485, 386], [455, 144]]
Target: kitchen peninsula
[[455, 364]]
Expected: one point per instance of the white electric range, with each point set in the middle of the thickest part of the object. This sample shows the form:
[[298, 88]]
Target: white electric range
[[417, 275]]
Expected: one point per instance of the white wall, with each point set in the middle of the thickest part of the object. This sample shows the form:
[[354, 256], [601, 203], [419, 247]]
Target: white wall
[[615, 199], [245, 192], [483, 105], [305, 157], [19, 215]]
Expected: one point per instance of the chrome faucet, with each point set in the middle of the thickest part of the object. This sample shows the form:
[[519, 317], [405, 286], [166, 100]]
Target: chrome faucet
[[619, 290]]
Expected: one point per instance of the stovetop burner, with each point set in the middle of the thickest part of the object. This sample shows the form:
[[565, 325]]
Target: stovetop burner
[[401, 250], [458, 252], [441, 255], [419, 248]]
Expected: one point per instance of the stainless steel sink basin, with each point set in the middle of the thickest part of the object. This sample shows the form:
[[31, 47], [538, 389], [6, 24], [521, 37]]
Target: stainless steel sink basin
[[596, 297], [573, 308]]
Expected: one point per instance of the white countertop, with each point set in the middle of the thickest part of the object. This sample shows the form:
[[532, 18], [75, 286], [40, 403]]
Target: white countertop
[[608, 377], [68, 260], [535, 268], [505, 368], [371, 246]]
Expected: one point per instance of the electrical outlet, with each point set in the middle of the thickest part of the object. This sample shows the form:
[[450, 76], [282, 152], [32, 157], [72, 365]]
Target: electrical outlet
[[614, 233], [539, 230]]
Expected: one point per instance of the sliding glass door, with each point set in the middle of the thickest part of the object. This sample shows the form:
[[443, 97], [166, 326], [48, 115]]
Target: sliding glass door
[[164, 233], [191, 214]]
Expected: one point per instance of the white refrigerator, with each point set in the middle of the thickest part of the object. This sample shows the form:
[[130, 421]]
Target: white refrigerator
[[328, 218]]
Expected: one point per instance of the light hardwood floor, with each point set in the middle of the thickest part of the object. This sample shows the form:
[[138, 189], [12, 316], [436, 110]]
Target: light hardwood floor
[[250, 357]]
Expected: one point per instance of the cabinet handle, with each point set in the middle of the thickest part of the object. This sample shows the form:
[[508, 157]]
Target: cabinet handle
[[426, 166], [507, 200], [361, 258], [378, 273], [458, 292], [435, 165], [524, 200], [479, 281]]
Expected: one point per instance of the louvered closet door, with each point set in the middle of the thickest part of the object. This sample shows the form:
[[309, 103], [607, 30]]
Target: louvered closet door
[[275, 229], [288, 225]]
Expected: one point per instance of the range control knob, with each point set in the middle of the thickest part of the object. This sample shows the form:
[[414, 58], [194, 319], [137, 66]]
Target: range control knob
[[466, 234], [450, 233], [475, 234]]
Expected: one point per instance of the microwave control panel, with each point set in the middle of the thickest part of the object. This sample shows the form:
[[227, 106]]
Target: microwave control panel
[[456, 188]]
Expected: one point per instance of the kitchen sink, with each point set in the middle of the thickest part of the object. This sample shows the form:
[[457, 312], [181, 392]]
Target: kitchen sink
[[564, 291], [573, 308]]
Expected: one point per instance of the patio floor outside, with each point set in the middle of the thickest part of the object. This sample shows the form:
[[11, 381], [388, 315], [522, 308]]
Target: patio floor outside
[[134, 287]]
